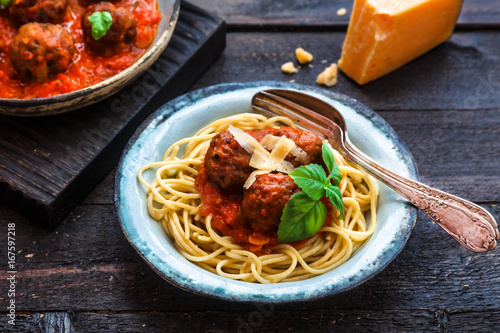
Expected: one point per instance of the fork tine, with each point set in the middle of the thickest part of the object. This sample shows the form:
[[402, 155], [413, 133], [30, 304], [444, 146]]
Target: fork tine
[[303, 106], [268, 103], [271, 107]]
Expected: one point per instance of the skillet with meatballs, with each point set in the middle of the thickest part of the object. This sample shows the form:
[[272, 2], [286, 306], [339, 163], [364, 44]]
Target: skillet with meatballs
[[52, 47]]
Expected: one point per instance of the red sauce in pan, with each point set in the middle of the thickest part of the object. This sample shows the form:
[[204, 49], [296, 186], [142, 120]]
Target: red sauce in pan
[[85, 69]]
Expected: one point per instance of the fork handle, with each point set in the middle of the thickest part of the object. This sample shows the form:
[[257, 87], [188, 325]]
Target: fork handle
[[471, 225]]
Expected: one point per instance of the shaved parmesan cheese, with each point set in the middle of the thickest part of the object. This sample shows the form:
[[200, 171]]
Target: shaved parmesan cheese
[[259, 160], [280, 151], [300, 155], [246, 141], [271, 161], [262, 160], [285, 167], [269, 142], [253, 177]]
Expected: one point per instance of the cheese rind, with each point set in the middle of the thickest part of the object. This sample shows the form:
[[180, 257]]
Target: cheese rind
[[384, 35]]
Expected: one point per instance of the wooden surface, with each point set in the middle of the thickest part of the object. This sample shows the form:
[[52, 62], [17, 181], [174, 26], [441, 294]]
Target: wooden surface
[[321, 14], [85, 277], [49, 164]]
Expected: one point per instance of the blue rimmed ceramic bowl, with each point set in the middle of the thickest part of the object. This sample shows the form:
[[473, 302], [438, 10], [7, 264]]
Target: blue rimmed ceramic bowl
[[182, 117]]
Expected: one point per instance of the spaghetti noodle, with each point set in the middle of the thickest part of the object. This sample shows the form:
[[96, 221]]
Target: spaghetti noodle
[[174, 200]]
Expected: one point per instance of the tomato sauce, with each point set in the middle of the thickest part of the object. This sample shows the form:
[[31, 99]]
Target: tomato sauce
[[85, 69], [225, 209]]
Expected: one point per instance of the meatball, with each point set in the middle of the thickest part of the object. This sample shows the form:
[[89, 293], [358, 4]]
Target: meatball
[[42, 11], [40, 50], [264, 201], [121, 33], [226, 162], [310, 143]]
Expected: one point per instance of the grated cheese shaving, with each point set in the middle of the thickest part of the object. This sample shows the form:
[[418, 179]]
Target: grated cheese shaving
[[259, 160], [246, 141], [262, 160], [253, 177], [285, 167], [280, 151], [269, 142]]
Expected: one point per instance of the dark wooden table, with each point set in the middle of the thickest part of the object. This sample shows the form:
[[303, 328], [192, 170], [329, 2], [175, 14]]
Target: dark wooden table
[[84, 276]]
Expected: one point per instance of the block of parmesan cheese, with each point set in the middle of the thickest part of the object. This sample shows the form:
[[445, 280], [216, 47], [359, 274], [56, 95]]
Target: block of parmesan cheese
[[386, 34]]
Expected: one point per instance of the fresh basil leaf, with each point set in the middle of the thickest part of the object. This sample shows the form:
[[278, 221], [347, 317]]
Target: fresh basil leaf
[[311, 179], [332, 166], [333, 192], [5, 3], [301, 218], [100, 22]]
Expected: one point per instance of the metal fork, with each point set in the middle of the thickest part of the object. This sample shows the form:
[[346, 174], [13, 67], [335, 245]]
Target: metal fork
[[468, 223]]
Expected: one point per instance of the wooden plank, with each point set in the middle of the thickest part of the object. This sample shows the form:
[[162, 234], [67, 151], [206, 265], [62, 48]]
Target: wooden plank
[[462, 74], [49, 164], [242, 15], [455, 151], [88, 256], [263, 319]]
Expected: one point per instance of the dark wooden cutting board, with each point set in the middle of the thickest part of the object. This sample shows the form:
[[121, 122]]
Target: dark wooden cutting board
[[49, 164]]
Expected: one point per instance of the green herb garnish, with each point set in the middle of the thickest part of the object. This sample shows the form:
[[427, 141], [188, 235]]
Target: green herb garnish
[[100, 22], [5, 3], [304, 214]]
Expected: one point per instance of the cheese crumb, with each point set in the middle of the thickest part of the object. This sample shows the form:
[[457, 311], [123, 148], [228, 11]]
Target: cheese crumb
[[329, 76], [289, 68], [341, 12], [303, 56]]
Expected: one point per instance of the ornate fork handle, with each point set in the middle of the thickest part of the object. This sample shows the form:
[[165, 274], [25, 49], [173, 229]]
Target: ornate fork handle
[[471, 225]]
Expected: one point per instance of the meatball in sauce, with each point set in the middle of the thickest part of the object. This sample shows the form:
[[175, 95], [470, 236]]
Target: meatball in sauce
[[264, 201], [226, 162], [41, 50], [42, 11], [121, 33]]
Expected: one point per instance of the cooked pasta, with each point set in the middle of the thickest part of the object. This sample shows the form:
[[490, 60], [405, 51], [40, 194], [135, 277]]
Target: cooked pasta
[[174, 200]]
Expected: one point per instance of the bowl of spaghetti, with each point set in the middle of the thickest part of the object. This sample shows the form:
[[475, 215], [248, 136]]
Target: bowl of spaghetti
[[197, 198]]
